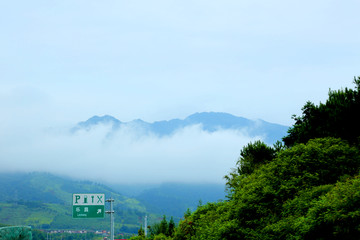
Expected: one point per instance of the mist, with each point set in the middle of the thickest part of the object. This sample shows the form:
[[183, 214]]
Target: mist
[[125, 156]]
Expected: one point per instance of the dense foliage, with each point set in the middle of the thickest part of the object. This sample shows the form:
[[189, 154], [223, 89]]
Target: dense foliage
[[163, 230], [307, 192], [251, 158], [18, 233], [339, 117], [308, 188]]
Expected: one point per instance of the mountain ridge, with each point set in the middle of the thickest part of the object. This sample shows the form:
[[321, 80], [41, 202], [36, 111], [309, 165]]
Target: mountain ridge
[[208, 121]]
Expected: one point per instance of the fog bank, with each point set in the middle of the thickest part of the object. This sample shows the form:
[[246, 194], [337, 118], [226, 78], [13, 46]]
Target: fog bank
[[124, 156]]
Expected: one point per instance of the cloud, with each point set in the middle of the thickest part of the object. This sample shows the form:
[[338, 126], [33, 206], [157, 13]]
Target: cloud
[[126, 156]]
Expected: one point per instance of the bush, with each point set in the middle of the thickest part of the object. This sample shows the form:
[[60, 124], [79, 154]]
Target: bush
[[15, 233]]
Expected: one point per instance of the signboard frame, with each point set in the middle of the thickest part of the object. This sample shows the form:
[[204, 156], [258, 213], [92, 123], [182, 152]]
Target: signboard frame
[[88, 205]]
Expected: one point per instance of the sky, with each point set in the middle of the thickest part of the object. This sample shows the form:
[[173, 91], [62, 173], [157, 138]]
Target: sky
[[63, 62]]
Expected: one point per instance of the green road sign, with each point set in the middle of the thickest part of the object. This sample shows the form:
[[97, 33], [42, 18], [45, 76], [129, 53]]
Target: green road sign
[[88, 205], [88, 211]]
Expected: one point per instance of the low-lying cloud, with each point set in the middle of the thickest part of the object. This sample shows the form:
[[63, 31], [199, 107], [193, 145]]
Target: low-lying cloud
[[126, 155]]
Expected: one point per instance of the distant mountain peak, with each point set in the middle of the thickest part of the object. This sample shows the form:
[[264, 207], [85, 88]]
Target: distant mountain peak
[[209, 121], [218, 118], [96, 120], [106, 118]]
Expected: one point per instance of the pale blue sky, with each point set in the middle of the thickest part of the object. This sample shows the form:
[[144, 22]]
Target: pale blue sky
[[62, 62], [69, 60]]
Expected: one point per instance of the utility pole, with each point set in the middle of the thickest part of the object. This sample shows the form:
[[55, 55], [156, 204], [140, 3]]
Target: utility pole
[[111, 212], [145, 230]]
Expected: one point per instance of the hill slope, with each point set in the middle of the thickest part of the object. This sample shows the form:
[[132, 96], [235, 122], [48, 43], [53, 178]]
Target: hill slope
[[44, 201]]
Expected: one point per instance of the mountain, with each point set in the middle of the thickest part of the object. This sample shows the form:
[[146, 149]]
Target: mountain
[[95, 120], [209, 121], [173, 199], [44, 201]]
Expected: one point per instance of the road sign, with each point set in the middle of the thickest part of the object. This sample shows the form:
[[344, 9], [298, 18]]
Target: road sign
[[88, 205]]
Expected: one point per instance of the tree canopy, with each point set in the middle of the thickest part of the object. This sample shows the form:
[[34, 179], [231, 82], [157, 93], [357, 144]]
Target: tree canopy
[[338, 117], [295, 196]]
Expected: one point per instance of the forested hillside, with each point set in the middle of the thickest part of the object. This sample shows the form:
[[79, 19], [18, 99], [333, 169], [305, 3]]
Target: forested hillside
[[43, 201], [307, 187]]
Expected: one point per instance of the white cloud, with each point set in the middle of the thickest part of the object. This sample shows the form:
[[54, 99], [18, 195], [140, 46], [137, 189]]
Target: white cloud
[[189, 155]]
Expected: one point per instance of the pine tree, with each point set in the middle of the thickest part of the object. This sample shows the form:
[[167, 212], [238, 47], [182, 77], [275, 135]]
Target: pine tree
[[171, 228], [164, 226]]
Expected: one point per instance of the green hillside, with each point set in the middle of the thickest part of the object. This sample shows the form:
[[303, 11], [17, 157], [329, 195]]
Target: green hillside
[[306, 188], [44, 201]]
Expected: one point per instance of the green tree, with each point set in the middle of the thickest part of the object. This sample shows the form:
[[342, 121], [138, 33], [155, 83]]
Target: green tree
[[259, 202], [338, 117], [154, 229], [161, 236], [164, 227], [279, 198], [252, 156], [336, 215], [187, 213], [141, 232], [137, 238], [185, 229], [171, 228]]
